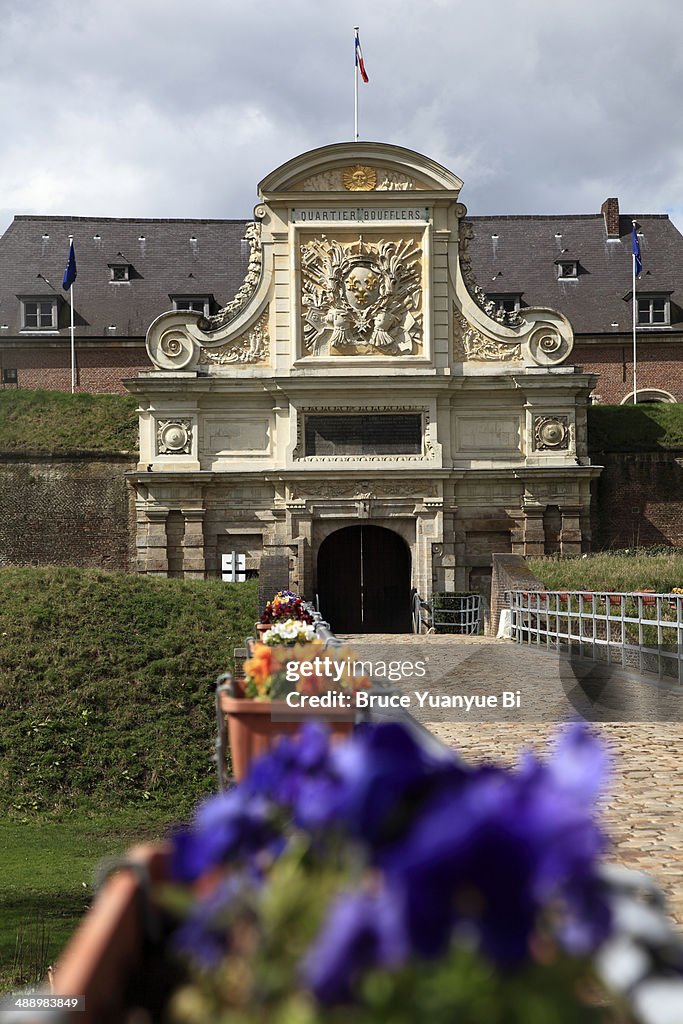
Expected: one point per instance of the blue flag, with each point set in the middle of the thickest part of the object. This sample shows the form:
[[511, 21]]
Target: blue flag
[[70, 272], [635, 249]]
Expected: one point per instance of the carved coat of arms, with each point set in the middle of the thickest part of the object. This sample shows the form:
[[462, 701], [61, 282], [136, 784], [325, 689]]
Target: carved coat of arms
[[361, 298]]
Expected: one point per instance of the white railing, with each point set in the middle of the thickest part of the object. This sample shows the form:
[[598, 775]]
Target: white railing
[[641, 632]]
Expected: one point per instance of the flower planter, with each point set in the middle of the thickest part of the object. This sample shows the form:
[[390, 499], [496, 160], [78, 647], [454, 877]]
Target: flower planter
[[645, 596], [262, 628], [107, 950], [255, 725], [615, 600]]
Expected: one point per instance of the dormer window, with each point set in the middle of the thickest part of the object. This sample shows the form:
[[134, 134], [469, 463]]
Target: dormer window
[[119, 272], [39, 314], [193, 303], [654, 311], [507, 302], [567, 270]]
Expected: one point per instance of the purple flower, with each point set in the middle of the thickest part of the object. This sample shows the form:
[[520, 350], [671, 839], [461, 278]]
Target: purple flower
[[492, 853], [230, 826], [204, 935], [300, 776], [387, 776], [363, 930]]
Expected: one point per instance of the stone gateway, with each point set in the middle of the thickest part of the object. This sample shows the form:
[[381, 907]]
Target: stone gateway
[[360, 412]]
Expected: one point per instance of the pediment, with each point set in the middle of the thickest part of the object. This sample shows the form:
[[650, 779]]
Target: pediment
[[360, 167]]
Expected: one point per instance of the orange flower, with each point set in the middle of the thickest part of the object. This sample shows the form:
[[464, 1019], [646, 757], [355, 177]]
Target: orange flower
[[261, 666]]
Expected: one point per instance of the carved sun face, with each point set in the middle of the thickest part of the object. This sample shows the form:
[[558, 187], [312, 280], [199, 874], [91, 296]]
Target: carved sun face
[[361, 285], [359, 178]]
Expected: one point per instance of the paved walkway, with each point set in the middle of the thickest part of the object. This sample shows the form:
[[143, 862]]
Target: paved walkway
[[642, 724]]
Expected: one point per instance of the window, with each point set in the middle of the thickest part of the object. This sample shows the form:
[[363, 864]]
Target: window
[[39, 314], [382, 434], [567, 270], [507, 303], [9, 376], [193, 303], [119, 272], [653, 311]]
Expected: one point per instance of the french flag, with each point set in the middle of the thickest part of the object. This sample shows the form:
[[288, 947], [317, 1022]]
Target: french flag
[[359, 60]]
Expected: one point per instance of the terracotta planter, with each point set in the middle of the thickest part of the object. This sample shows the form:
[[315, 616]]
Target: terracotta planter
[[107, 950], [262, 628], [615, 599], [646, 598], [255, 725]]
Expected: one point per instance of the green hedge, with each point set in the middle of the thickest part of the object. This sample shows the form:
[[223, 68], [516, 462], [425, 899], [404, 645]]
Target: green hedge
[[639, 428]]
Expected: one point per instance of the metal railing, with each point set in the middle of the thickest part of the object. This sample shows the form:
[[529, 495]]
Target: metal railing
[[640, 632], [420, 614], [456, 612]]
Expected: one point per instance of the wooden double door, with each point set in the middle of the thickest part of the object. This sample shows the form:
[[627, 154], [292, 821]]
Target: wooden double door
[[364, 580]]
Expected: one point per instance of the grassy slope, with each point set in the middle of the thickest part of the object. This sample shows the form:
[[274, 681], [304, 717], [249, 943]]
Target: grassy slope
[[611, 571], [52, 421], [106, 686]]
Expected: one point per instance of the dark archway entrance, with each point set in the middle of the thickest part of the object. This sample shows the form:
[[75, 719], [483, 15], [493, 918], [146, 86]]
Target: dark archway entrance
[[364, 581]]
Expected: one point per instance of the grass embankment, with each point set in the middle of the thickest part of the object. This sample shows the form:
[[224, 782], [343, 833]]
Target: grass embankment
[[641, 428], [612, 571], [58, 423], [106, 731]]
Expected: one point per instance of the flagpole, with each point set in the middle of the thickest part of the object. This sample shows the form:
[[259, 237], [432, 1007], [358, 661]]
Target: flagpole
[[73, 343], [355, 85], [633, 261]]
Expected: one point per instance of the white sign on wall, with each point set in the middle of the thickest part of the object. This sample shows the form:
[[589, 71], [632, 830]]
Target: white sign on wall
[[233, 567]]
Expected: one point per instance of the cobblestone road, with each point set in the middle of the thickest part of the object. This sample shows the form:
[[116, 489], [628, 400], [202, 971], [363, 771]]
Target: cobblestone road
[[641, 723]]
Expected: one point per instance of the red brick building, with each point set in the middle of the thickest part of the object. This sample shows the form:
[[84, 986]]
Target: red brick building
[[132, 270]]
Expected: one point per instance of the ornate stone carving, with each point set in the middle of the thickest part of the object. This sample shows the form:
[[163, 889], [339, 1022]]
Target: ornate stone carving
[[476, 346], [251, 347], [547, 347], [361, 298], [171, 349], [252, 235], [512, 319], [363, 490], [551, 432], [174, 437], [359, 178], [385, 180]]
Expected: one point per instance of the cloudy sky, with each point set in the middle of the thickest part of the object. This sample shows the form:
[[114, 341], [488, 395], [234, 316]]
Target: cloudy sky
[[163, 108]]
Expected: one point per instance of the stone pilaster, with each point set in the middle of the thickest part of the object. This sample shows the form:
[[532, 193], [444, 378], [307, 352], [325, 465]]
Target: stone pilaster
[[153, 543], [570, 535], [534, 532], [194, 563]]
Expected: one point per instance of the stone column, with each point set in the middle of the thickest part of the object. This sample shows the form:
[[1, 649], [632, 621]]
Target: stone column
[[194, 564], [152, 543], [570, 534]]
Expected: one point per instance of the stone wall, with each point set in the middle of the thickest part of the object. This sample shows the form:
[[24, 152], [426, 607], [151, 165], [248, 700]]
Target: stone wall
[[72, 510], [637, 500]]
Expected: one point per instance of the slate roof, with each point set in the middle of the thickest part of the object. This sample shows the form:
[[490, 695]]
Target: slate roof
[[510, 254], [519, 254], [181, 257]]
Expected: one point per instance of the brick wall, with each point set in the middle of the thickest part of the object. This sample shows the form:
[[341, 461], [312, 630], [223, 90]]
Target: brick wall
[[100, 368], [66, 511], [660, 366], [637, 499], [509, 572]]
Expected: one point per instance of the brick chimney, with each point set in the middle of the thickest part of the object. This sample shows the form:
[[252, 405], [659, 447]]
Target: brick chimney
[[610, 211]]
